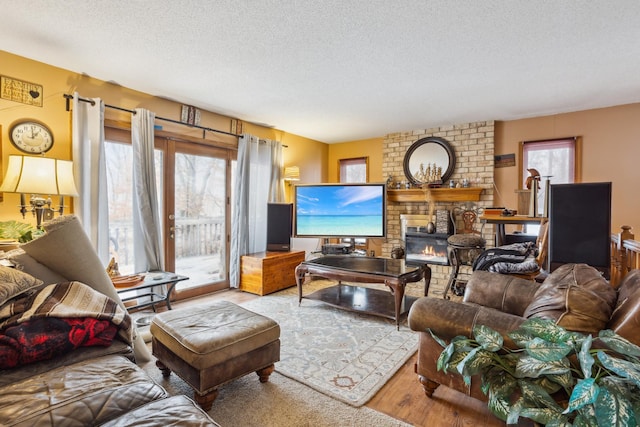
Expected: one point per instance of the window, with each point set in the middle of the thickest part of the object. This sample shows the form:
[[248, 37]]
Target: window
[[353, 170], [555, 160]]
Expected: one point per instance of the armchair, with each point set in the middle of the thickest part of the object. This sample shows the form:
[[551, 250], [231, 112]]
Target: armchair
[[576, 296]]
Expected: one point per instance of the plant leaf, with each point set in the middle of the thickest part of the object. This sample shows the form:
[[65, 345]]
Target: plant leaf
[[623, 368], [462, 343], [586, 417], [545, 416], [561, 422], [437, 339], [547, 351], [584, 393], [537, 397], [488, 338], [530, 367], [618, 344], [548, 384], [499, 402], [445, 356], [456, 358], [547, 330], [565, 380], [20, 231], [475, 362], [613, 409], [498, 382], [624, 387], [520, 337], [585, 358], [514, 412]]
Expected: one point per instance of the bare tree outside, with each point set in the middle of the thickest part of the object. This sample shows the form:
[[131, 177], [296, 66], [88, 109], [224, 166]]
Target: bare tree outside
[[200, 218]]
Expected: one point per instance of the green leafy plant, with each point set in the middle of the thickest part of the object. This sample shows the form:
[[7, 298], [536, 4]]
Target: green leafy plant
[[19, 231], [554, 377]]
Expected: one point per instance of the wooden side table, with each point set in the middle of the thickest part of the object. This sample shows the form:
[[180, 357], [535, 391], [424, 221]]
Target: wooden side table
[[262, 273]]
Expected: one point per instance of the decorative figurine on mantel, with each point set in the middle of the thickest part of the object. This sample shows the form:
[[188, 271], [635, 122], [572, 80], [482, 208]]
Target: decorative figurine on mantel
[[432, 175]]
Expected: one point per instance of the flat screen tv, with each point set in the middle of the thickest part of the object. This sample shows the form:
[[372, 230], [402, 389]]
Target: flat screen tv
[[340, 210]]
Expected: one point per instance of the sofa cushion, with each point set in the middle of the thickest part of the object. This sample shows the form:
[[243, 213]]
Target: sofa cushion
[[14, 282], [172, 411], [625, 319], [23, 262], [118, 347], [82, 394], [576, 297]]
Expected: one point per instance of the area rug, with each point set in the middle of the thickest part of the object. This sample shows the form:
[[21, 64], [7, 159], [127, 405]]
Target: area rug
[[280, 402], [347, 356]]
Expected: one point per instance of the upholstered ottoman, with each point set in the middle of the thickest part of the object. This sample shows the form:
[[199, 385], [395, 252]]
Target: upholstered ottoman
[[212, 344]]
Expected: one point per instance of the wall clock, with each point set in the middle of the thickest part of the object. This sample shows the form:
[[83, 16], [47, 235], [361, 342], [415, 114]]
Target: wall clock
[[31, 137]]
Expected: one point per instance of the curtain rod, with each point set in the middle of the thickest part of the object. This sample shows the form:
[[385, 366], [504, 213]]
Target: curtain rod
[[204, 129]]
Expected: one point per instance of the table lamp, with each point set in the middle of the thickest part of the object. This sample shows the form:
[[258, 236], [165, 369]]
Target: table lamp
[[39, 176]]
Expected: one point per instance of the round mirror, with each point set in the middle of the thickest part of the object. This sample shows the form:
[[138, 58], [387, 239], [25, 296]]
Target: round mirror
[[426, 157]]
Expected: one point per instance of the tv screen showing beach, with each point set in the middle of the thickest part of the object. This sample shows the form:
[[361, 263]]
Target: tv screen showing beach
[[340, 210]]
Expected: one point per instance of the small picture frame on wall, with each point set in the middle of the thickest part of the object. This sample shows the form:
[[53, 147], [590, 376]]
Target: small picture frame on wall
[[22, 91]]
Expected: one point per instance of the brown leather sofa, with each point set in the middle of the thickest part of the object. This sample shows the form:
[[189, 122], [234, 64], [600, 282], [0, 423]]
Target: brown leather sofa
[[576, 296], [90, 385]]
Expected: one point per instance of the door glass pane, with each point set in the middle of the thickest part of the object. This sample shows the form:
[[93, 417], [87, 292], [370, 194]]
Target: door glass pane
[[200, 229], [120, 195]]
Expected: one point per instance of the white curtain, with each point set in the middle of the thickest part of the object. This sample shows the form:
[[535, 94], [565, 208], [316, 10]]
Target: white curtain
[[257, 182], [147, 238], [90, 172]]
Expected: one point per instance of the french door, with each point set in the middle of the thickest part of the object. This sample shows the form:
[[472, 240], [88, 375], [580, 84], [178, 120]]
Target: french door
[[196, 216], [193, 182]]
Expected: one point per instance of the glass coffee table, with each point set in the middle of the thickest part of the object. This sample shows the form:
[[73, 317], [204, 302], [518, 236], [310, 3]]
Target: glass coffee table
[[394, 273]]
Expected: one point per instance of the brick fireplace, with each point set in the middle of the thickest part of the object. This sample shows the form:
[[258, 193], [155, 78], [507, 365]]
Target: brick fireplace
[[473, 144]]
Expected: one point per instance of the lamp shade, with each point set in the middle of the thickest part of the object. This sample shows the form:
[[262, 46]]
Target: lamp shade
[[39, 175], [292, 173]]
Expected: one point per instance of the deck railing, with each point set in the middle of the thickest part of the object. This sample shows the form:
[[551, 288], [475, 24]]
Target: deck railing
[[625, 254], [193, 237]]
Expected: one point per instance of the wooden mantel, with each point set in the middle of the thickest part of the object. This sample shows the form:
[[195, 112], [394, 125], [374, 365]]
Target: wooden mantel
[[471, 194]]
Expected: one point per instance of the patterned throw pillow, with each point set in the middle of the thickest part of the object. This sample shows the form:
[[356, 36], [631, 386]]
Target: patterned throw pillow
[[14, 282]]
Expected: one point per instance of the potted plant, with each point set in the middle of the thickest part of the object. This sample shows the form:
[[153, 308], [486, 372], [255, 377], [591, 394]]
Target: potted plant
[[18, 231], [553, 376]]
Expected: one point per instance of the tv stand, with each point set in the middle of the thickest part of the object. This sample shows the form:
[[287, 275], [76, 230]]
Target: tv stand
[[337, 249]]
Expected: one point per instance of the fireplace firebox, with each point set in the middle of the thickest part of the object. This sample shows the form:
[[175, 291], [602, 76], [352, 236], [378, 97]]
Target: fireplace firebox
[[425, 248]]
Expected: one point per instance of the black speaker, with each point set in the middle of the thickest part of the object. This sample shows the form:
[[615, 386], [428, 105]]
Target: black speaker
[[279, 226], [580, 225]]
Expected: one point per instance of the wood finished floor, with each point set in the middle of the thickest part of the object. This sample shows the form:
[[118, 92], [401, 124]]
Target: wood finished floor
[[402, 397]]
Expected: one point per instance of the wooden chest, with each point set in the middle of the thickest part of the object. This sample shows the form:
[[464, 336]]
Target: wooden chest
[[266, 272]]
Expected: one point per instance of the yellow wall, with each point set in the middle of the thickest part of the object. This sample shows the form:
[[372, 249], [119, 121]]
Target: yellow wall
[[370, 148], [610, 152], [610, 136], [310, 155]]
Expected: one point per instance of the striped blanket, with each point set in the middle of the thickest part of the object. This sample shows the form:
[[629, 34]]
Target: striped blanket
[[58, 319]]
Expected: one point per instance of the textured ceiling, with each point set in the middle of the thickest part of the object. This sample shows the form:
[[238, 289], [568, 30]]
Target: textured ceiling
[[341, 70]]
